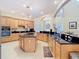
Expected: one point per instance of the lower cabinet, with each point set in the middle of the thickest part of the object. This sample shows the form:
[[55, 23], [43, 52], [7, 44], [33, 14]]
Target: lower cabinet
[[42, 37], [13, 37], [57, 51], [50, 42], [55, 47], [21, 43], [61, 50], [28, 44]]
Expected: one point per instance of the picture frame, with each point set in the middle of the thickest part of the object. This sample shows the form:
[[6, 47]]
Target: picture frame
[[73, 25]]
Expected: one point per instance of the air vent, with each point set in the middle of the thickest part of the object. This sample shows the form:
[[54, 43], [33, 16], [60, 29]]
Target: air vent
[[27, 6]]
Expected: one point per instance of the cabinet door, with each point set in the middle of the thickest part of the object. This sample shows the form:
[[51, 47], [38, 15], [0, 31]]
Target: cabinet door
[[3, 21], [58, 56], [40, 36], [22, 22], [32, 44], [14, 23], [8, 22], [50, 42], [31, 24], [45, 38], [29, 44], [21, 42], [19, 22], [26, 24], [54, 47]]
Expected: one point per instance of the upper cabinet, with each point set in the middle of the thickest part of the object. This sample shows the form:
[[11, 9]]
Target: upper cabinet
[[8, 21], [19, 22], [3, 21], [26, 24], [31, 24], [13, 22], [22, 23]]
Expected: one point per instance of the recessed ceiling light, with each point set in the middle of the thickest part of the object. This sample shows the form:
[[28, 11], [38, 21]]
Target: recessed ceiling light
[[56, 2], [31, 8], [24, 5]]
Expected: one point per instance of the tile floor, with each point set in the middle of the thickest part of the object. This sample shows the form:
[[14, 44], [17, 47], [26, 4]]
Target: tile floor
[[11, 50]]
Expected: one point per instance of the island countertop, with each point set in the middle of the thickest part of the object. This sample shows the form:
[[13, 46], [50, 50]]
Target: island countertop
[[26, 35]]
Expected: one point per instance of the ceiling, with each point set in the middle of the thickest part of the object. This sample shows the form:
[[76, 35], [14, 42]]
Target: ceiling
[[28, 8]]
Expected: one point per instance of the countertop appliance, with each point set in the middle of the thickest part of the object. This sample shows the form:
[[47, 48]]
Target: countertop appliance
[[5, 31]]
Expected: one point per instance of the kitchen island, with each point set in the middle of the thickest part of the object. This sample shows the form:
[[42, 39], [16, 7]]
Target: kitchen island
[[28, 42], [60, 48]]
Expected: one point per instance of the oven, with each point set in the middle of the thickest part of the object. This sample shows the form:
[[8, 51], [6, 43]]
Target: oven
[[5, 31]]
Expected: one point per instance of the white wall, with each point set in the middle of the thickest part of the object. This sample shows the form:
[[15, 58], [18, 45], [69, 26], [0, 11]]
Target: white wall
[[71, 13]]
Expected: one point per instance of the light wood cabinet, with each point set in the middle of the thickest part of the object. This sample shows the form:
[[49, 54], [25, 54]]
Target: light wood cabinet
[[50, 42], [67, 49], [28, 44], [52, 45], [3, 21], [21, 43], [57, 51], [11, 23], [31, 24], [26, 24], [14, 23], [32, 45], [54, 48], [7, 22], [42, 37], [13, 37], [22, 23], [19, 22], [60, 50]]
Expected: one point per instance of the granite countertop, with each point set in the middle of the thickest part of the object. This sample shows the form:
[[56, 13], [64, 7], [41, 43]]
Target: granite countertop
[[26, 35], [74, 35], [61, 41]]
